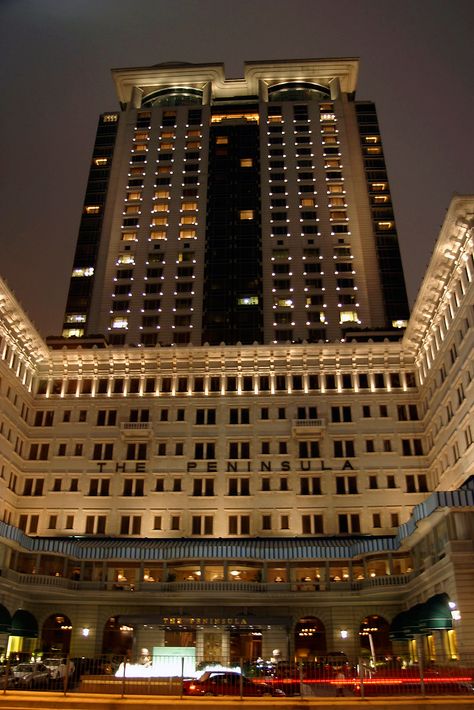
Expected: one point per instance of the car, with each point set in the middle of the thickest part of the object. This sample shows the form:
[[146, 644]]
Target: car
[[28, 675], [227, 683], [58, 667]]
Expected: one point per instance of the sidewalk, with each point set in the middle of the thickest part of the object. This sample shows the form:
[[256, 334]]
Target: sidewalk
[[27, 700]]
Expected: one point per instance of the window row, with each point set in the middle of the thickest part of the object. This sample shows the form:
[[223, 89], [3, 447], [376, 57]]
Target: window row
[[307, 449], [205, 524], [242, 486]]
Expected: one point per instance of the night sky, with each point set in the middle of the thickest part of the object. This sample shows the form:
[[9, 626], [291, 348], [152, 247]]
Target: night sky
[[416, 64]]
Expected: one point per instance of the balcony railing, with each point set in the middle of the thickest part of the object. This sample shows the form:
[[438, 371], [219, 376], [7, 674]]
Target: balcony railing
[[308, 426], [218, 586], [136, 430]]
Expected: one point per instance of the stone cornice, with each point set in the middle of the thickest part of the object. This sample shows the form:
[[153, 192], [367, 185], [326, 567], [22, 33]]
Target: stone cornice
[[321, 71], [19, 330], [455, 243]]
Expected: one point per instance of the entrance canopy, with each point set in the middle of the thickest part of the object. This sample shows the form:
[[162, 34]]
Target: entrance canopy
[[24, 624], [5, 620], [432, 615]]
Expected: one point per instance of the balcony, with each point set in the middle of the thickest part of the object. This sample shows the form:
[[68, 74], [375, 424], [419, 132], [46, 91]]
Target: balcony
[[308, 426], [136, 431]]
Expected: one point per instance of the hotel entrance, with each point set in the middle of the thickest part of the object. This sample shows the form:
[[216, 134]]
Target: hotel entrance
[[245, 645]]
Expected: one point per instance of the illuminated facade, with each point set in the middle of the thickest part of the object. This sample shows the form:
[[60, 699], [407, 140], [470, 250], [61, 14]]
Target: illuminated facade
[[286, 491], [237, 210], [245, 494]]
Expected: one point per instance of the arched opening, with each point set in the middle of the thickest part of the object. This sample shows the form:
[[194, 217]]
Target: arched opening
[[310, 639], [117, 638], [174, 96], [374, 634], [23, 639], [298, 91], [56, 634]]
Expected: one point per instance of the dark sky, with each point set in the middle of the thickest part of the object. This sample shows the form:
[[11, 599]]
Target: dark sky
[[416, 64]]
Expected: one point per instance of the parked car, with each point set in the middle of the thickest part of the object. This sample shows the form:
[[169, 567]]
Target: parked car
[[227, 683], [29, 675], [58, 667]]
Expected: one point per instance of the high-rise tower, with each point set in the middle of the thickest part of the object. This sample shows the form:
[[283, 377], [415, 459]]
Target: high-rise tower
[[237, 210]]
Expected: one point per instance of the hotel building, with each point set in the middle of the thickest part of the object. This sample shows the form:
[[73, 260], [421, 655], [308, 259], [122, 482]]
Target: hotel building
[[275, 496], [237, 210]]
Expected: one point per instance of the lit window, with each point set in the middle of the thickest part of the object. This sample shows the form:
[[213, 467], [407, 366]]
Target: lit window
[[245, 115], [373, 150], [85, 271], [372, 139], [192, 145], [161, 194], [100, 161], [167, 134], [283, 302], [129, 237], [188, 206], [379, 186], [335, 189], [120, 322], [158, 234], [308, 202], [76, 318], [222, 140], [187, 234], [274, 119], [156, 221], [246, 214], [161, 207], [131, 196], [348, 316], [248, 301], [141, 136], [385, 225], [193, 133], [166, 146], [140, 147], [190, 219], [125, 259], [381, 198], [110, 118], [132, 209], [92, 209], [399, 324], [246, 162], [73, 332]]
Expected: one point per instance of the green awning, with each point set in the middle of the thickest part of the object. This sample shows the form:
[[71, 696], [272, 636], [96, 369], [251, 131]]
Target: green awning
[[412, 620], [436, 614], [397, 627], [432, 615], [24, 624], [5, 620]]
